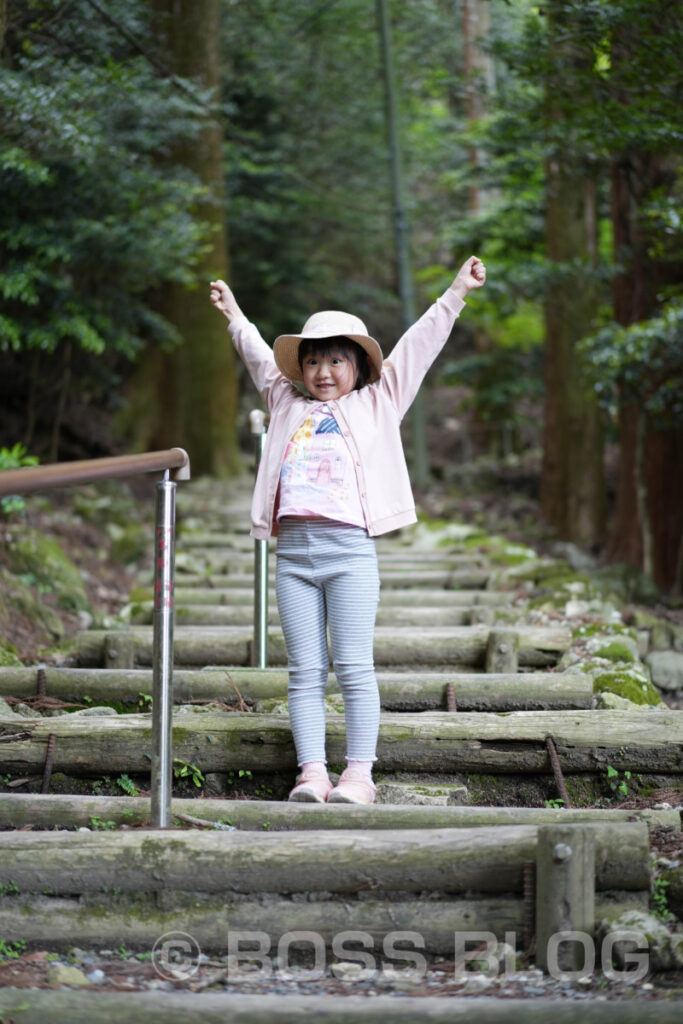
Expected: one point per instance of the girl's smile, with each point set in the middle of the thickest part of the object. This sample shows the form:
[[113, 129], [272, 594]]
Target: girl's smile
[[330, 376]]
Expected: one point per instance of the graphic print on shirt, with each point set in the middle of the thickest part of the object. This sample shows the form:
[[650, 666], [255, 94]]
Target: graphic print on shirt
[[318, 476]]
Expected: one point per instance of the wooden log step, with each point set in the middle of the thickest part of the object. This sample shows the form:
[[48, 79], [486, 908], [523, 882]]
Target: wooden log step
[[482, 860], [586, 741], [45, 811], [136, 921], [401, 691], [456, 579], [427, 597], [214, 614], [65, 1007], [390, 555], [229, 645]]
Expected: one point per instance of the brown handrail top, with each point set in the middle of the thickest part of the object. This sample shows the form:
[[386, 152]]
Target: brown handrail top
[[67, 474]]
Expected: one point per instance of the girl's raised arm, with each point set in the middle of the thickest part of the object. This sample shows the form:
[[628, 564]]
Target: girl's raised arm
[[472, 274], [223, 299]]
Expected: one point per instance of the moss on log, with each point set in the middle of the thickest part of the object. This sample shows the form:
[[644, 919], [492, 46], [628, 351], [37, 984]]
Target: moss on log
[[405, 691], [46, 810], [483, 859], [429, 646], [432, 741]]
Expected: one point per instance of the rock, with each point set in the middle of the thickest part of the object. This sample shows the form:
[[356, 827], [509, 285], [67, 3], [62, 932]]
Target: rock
[[673, 876], [665, 948], [417, 794], [661, 636], [629, 684], [667, 669], [215, 783], [96, 712], [65, 974], [96, 977], [43, 560], [643, 642], [577, 558], [6, 710], [611, 702], [618, 648], [477, 983], [24, 711]]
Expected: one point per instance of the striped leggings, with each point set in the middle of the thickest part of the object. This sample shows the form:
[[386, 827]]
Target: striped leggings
[[327, 578]]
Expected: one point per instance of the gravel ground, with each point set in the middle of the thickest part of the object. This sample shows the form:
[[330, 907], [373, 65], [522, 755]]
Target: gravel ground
[[109, 970]]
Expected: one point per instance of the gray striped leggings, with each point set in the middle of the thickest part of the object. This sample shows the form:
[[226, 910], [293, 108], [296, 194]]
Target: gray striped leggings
[[327, 577]]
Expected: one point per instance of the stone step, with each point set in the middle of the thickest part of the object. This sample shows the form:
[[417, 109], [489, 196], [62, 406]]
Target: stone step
[[401, 691], [431, 742], [538, 647]]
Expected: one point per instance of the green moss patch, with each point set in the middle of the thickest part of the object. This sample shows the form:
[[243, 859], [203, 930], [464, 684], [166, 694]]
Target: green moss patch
[[616, 652], [40, 561], [628, 686]]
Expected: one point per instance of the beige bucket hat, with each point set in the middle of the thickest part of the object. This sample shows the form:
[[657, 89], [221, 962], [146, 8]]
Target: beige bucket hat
[[330, 323]]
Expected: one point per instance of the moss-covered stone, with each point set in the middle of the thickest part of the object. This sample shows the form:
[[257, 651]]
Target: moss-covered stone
[[18, 595], [616, 652], [130, 543], [8, 656], [627, 685], [42, 562]]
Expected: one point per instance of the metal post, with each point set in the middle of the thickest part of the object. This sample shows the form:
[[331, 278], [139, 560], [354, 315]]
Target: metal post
[[162, 691], [259, 654]]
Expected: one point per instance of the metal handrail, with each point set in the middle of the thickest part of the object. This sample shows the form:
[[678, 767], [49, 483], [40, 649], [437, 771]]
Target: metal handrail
[[66, 474], [259, 652]]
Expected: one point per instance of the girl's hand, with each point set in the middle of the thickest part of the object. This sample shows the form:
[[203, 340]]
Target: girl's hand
[[472, 274], [222, 298]]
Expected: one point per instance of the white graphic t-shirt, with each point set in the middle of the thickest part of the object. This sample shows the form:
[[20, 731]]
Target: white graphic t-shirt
[[318, 477]]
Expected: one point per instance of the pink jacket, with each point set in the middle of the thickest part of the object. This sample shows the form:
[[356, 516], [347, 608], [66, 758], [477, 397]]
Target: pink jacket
[[369, 419]]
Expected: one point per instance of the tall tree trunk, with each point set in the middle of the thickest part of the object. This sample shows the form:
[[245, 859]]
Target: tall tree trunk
[[647, 528], [572, 478], [193, 390]]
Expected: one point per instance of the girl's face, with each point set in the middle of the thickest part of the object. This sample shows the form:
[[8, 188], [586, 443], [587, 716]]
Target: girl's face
[[330, 375]]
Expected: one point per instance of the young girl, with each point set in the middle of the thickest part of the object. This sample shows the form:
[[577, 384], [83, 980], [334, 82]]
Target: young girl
[[332, 477]]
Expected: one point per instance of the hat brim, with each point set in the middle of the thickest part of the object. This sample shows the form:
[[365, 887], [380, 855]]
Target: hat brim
[[286, 352]]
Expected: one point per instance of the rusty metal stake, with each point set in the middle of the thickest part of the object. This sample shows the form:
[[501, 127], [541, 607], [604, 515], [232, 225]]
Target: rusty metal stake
[[529, 924], [450, 697], [41, 682], [557, 770], [49, 762]]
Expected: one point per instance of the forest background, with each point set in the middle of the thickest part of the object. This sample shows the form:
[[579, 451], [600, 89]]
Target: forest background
[[147, 146]]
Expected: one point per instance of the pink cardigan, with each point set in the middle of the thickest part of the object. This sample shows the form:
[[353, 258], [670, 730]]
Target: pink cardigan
[[369, 419]]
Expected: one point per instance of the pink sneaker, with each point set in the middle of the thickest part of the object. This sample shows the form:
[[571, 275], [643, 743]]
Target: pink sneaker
[[312, 787], [354, 787]]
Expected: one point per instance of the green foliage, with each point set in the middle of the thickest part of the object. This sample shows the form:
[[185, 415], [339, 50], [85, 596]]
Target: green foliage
[[187, 770], [125, 783], [91, 218], [660, 899], [98, 824], [642, 363], [12, 950], [14, 458]]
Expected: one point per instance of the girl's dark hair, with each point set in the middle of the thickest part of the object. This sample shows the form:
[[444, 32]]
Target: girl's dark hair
[[344, 347]]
